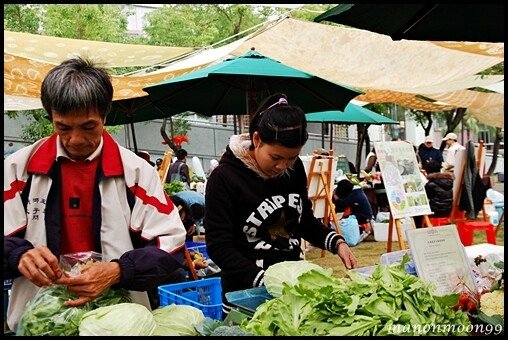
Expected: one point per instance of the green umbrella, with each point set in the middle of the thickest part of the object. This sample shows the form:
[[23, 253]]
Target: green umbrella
[[237, 86], [133, 110], [353, 114], [482, 22]]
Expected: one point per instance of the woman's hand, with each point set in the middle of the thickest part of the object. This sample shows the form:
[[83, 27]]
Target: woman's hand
[[346, 255]]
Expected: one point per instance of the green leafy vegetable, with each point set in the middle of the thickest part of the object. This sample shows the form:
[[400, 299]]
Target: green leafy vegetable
[[177, 320], [46, 314], [287, 272], [391, 302], [120, 319]]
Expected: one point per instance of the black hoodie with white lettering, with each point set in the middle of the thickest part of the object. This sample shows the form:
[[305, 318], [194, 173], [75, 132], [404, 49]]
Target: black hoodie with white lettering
[[252, 221]]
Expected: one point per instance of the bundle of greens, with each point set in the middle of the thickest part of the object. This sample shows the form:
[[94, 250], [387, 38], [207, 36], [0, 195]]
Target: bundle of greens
[[46, 314], [390, 302]]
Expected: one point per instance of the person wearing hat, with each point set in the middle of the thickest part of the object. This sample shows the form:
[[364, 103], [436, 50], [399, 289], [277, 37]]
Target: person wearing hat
[[453, 147], [146, 156], [428, 152]]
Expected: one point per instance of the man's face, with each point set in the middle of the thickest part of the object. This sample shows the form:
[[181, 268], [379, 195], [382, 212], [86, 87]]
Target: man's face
[[80, 131], [428, 145]]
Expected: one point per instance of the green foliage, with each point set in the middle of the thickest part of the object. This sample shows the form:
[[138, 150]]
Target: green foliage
[[309, 11], [39, 126], [174, 187], [180, 25], [22, 18], [89, 22]]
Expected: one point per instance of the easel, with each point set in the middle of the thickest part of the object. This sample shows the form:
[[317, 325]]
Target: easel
[[166, 162], [324, 179], [396, 221]]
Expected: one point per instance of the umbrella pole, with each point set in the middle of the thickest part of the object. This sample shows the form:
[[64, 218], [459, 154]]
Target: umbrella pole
[[234, 124], [134, 138], [331, 136], [323, 135]]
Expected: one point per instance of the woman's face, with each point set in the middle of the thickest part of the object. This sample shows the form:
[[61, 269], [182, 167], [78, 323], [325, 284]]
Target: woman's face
[[273, 159]]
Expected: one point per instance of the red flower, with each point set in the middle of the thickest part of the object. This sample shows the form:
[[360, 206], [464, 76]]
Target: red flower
[[180, 139]]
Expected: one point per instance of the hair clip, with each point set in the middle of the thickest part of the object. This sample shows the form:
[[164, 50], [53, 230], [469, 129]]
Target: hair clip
[[281, 101]]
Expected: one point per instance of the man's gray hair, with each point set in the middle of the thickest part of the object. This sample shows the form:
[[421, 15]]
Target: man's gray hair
[[77, 83]]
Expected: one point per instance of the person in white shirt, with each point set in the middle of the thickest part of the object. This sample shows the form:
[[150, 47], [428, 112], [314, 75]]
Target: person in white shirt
[[453, 147]]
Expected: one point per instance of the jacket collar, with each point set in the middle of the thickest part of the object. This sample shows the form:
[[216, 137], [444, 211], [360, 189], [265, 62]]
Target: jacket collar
[[46, 155]]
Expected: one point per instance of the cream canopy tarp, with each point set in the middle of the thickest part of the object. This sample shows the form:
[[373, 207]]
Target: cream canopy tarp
[[364, 59], [386, 70], [23, 78], [54, 50]]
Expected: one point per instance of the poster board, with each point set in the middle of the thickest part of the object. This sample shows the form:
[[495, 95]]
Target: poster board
[[321, 165], [404, 186], [433, 248]]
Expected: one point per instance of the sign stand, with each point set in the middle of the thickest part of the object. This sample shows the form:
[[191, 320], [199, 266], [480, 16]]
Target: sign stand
[[319, 183], [396, 221], [405, 189]]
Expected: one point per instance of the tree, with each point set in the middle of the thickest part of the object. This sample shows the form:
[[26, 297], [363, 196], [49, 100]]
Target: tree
[[92, 22], [22, 18], [87, 22]]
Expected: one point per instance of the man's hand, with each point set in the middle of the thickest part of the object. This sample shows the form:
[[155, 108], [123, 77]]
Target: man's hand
[[92, 281], [40, 266]]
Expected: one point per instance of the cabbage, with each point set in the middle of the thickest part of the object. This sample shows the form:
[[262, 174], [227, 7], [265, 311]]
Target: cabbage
[[288, 272], [177, 320], [120, 319]]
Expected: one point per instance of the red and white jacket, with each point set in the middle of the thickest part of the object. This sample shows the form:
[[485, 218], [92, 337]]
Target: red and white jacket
[[135, 222]]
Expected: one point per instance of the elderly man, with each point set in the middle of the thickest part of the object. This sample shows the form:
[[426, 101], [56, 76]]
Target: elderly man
[[453, 148], [78, 190]]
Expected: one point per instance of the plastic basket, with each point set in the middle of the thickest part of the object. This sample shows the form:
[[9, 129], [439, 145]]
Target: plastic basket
[[204, 294], [191, 244], [200, 249]]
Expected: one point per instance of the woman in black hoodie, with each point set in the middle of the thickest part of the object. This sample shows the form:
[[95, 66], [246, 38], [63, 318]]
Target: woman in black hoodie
[[257, 208]]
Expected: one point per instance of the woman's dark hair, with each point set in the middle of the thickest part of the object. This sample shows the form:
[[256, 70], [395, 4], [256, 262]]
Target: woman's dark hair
[[344, 188], [278, 122], [432, 166], [77, 83]]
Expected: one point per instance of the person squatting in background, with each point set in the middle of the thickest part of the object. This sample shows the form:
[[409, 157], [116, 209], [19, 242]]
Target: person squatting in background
[[257, 206], [191, 206], [349, 200]]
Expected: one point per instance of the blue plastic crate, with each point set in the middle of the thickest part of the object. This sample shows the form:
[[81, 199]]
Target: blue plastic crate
[[197, 246], [204, 294], [200, 249], [191, 244]]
